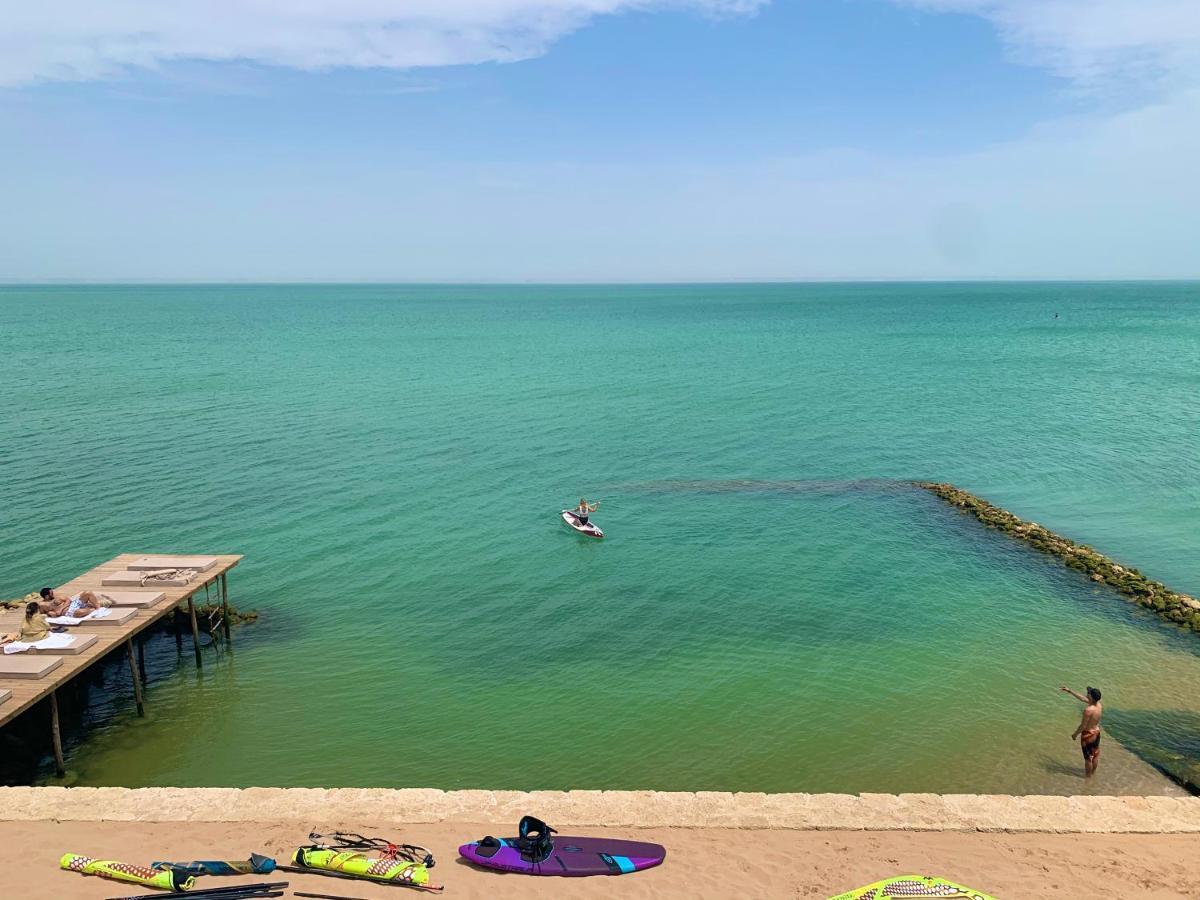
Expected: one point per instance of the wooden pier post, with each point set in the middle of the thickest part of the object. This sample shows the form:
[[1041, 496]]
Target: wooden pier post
[[195, 632], [56, 735], [225, 608], [137, 682], [142, 656]]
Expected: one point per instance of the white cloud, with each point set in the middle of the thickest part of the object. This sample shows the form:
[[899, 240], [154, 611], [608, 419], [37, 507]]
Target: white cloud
[[1095, 41], [1102, 195], [86, 39], [1090, 41]]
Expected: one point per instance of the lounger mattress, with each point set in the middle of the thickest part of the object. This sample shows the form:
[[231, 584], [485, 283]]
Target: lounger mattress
[[79, 643], [139, 599], [117, 615], [151, 563], [130, 578], [28, 665]]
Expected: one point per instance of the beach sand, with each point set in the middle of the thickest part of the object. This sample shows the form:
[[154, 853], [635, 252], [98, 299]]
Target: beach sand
[[701, 862], [719, 845]]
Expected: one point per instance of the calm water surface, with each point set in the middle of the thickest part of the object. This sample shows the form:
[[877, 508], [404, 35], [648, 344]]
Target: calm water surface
[[772, 609]]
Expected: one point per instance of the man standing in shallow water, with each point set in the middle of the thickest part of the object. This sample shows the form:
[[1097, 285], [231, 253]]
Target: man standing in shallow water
[[1088, 731]]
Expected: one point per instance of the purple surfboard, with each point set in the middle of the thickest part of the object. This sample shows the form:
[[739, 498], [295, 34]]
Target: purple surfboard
[[570, 856]]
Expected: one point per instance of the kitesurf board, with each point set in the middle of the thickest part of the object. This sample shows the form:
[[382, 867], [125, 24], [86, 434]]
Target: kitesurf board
[[570, 856], [590, 529], [913, 886]]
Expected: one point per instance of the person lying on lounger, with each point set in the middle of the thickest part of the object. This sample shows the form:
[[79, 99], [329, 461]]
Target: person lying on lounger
[[34, 627], [82, 604]]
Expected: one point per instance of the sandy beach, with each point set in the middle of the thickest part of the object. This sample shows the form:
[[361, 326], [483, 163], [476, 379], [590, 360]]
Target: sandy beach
[[701, 862], [1008, 847]]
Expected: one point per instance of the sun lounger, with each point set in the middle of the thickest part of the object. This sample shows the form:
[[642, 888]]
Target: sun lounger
[[78, 643], [4, 695], [130, 578], [28, 665], [150, 563], [101, 618], [55, 644], [139, 599]]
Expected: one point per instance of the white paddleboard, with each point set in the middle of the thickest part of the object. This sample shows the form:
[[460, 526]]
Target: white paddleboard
[[589, 529]]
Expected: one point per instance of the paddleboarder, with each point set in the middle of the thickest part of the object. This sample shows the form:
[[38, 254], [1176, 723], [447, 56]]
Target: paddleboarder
[[584, 509], [1088, 731]]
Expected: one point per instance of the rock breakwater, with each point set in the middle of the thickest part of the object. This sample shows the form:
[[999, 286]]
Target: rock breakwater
[[1173, 606]]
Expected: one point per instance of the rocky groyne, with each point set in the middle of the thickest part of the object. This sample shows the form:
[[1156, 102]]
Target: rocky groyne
[[1171, 605]]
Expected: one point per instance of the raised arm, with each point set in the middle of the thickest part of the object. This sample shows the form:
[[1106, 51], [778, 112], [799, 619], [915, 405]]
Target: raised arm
[[1079, 697]]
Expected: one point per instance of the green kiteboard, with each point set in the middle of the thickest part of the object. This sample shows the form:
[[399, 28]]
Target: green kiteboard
[[905, 886]]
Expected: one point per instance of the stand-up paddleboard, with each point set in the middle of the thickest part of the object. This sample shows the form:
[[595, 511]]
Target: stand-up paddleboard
[[589, 529], [539, 851], [913, 886]]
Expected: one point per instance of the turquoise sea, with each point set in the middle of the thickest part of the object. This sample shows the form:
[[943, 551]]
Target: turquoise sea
[[773, 609]]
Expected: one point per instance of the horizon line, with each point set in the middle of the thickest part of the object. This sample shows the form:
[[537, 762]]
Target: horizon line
[[251, 282]]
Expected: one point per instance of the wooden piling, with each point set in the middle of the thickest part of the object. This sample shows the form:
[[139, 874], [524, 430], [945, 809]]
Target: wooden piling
[[82, 670], [195, 632], [225, 608], [56, 735], [137, 681]]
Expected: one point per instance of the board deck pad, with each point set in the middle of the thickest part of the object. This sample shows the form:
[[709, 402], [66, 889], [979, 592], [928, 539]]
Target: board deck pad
[[571, 856]]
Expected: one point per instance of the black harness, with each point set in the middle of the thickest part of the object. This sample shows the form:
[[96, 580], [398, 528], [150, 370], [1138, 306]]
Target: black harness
[[534, 839], [533, 842]]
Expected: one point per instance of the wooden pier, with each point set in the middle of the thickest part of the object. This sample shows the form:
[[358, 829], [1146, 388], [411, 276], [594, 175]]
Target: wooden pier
[[127, 627]]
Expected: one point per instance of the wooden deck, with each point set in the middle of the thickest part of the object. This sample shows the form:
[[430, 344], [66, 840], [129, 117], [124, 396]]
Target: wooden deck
[[25, 693]]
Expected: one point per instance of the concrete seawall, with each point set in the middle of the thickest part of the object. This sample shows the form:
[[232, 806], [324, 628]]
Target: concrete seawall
[[644, 809]]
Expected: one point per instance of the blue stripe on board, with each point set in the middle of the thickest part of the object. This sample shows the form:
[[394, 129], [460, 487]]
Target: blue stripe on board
[[623, 863]]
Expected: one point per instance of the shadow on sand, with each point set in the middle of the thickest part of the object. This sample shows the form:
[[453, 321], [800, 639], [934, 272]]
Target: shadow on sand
[[1167, 739], [1057, 767]]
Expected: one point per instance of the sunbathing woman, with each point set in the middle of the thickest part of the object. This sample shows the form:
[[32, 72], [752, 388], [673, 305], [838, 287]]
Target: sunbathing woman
[[33, 628], [82, 604]]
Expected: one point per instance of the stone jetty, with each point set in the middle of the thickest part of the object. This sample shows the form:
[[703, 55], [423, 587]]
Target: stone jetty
[[1171, 605]]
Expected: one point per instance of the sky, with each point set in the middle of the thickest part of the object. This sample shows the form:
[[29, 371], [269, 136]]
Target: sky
[[598, 140]]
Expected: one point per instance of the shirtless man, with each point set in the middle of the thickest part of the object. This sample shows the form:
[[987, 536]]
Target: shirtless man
[[76, 607], [1088, 731]]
